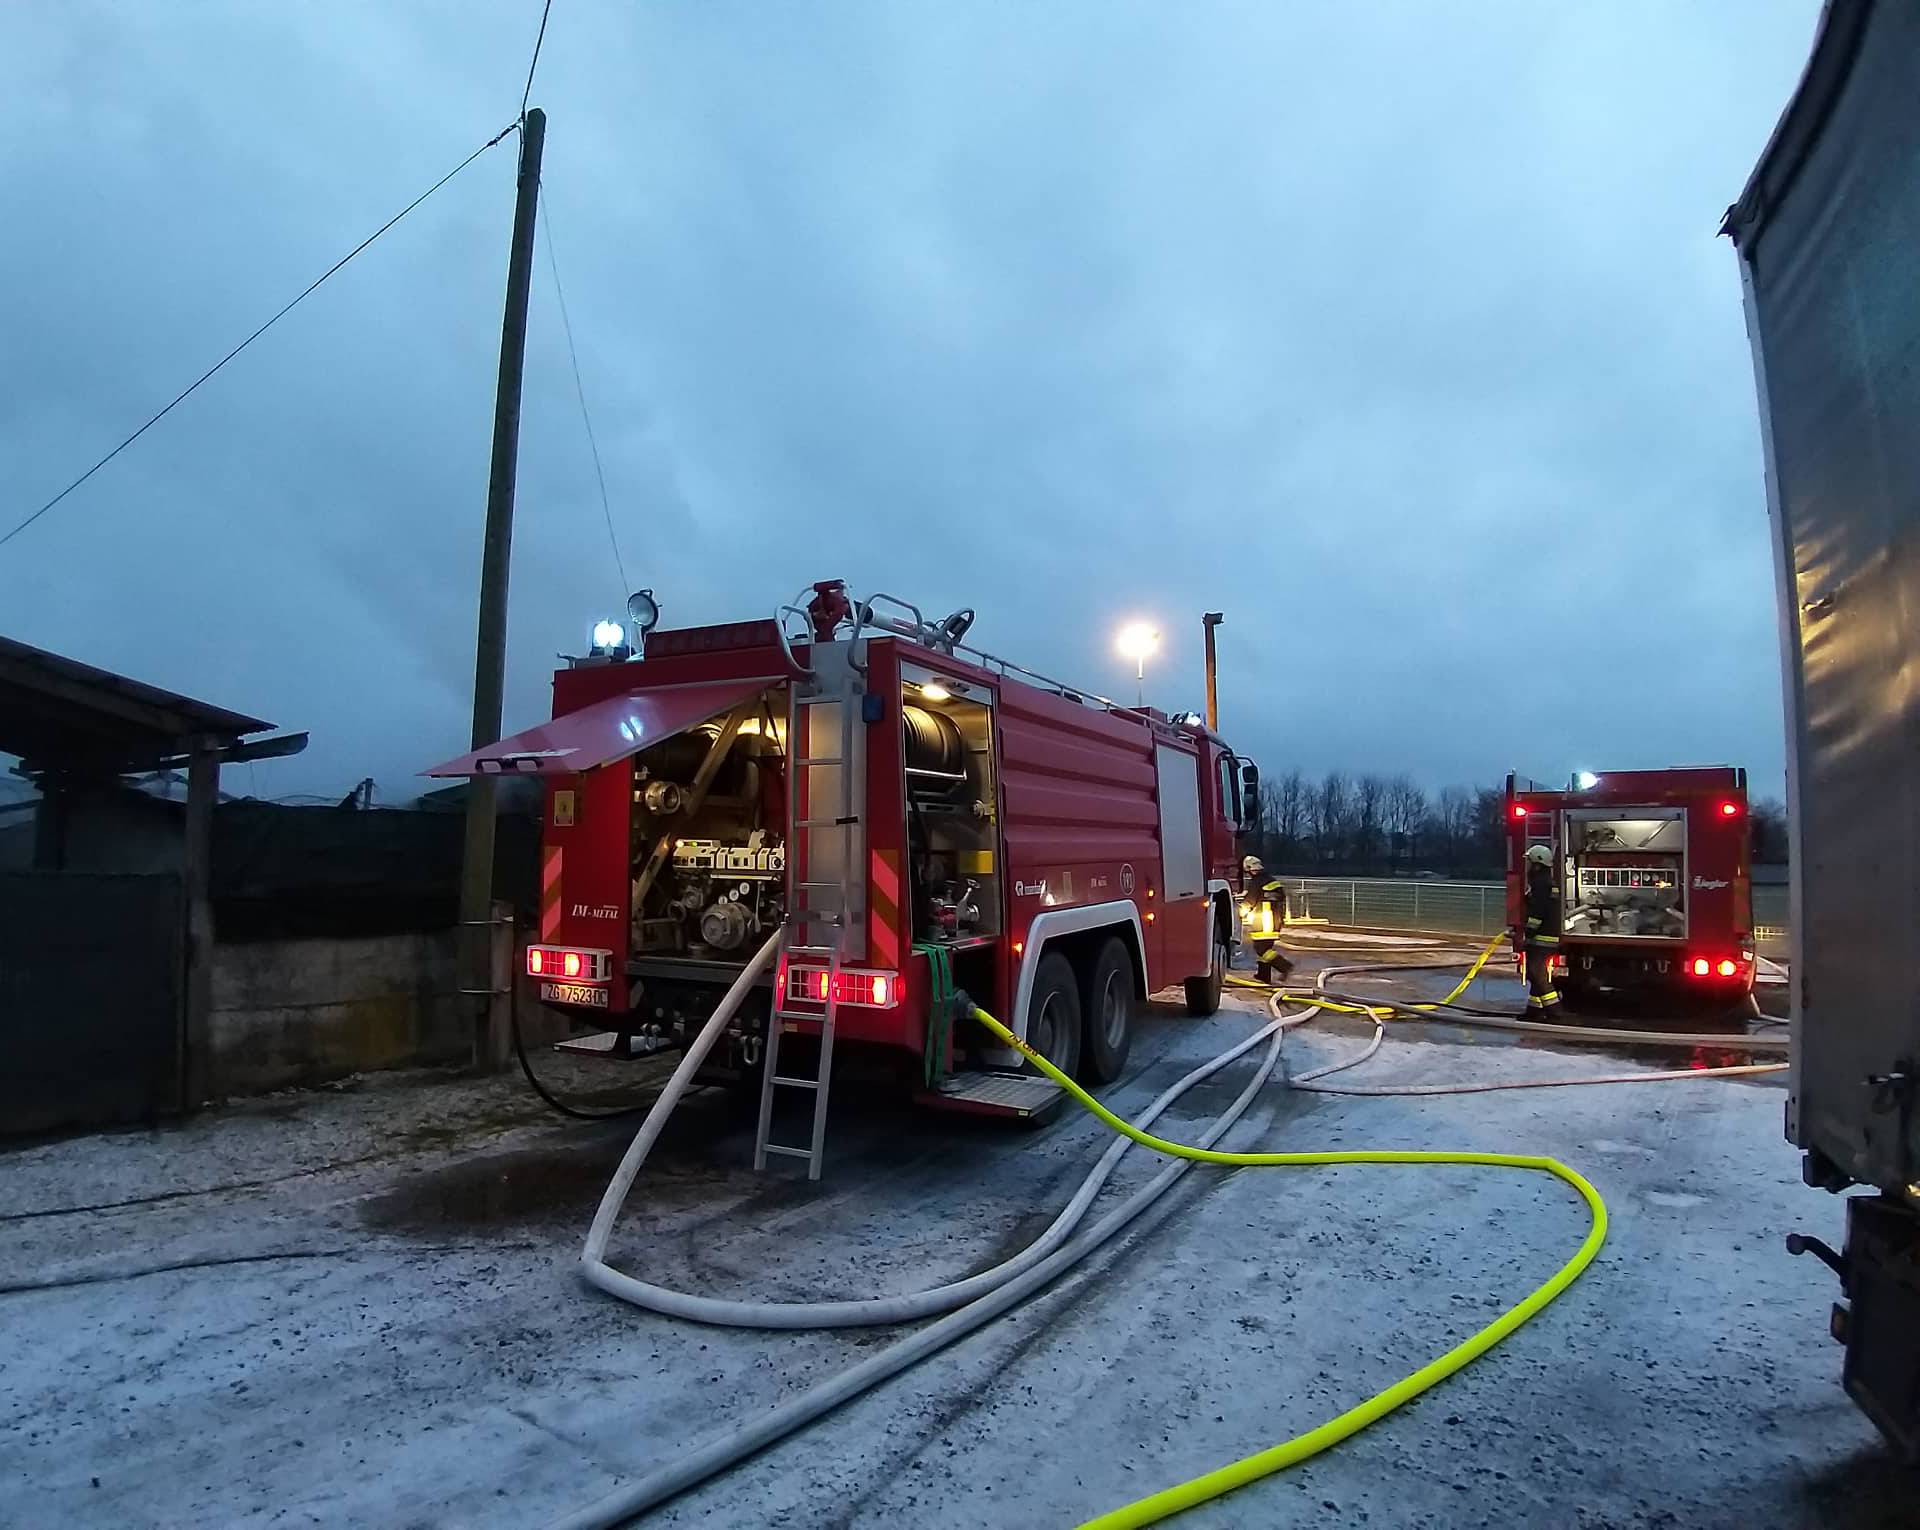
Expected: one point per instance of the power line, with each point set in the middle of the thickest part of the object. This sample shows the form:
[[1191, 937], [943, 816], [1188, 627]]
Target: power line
[[566, 324], [548, 7], [186, 392]]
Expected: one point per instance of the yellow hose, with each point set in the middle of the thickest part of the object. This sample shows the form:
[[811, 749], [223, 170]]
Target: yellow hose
[[1368, 1010], [1225, 1479]]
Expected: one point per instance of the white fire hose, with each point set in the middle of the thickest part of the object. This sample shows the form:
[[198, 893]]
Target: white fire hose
[[969, 1303]]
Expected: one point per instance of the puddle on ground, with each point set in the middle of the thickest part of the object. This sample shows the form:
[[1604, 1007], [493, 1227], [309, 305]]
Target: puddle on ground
[[694, 1161], [499, 1190]]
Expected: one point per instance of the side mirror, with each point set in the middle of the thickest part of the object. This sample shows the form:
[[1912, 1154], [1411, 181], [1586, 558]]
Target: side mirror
[[1250, 798]]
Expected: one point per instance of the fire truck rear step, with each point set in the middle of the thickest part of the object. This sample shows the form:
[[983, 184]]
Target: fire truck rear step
[[1014, 1094], [607, 1044]]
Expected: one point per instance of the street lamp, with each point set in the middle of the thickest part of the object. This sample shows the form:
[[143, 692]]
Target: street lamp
[[1135, 642]]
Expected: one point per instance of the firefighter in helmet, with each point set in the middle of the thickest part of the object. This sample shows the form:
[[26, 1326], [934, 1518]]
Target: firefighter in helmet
[[1542, 942], [1265, 910]]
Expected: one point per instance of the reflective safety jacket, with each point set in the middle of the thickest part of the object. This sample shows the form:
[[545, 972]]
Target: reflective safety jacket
[[1266, 897], [1543, 914]]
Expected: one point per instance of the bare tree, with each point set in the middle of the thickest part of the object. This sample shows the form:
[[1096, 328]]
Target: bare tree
[[1767, 821], [1332, 817], [1290, 812], [1283, 803], [1369, 811], [1453, 818], [1404, 815], [1488, 849]]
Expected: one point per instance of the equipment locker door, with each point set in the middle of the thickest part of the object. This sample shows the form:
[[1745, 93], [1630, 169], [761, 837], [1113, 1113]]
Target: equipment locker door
[[1181, 933]]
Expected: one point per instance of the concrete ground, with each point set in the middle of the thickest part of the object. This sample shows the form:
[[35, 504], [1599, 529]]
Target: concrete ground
[[359, 1306]]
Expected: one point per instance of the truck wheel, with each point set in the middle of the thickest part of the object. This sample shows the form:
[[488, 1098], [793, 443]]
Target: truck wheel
[[1203, 993], [1053, 1013], [1109, 1006]]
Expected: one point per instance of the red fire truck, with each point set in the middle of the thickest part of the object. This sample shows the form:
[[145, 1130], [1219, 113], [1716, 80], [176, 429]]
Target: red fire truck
[[1653, 869], [911, 814]]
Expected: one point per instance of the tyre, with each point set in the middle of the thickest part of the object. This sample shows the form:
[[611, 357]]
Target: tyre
[[1053, 1014], [1109, 1005], [1203, 993]]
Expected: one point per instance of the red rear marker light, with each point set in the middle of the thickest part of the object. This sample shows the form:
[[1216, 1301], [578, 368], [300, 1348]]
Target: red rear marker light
[[811, 985], [1729, 810], [1701, 966], [1519, 810], [580, 966], [1727, 969]]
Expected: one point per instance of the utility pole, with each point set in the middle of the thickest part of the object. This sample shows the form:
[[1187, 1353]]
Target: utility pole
[[1211, 620], [490, 656]]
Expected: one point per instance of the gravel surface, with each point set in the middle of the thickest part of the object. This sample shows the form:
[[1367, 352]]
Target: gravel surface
[[359, 1306]]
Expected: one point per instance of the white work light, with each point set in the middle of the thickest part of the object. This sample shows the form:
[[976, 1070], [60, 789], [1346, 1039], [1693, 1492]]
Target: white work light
[[1586, 780], [609, 635]]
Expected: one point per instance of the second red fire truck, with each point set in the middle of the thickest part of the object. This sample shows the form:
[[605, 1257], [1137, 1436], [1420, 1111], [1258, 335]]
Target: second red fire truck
[[1653, 870], [911, 815]]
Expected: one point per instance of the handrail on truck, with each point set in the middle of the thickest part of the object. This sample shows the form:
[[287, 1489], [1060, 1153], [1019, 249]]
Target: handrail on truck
[[932, 635]]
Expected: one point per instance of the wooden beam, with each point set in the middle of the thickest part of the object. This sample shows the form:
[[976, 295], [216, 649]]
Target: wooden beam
[[203, 790]]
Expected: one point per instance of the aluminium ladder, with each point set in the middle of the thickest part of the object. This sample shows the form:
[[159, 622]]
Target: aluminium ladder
[[841, 909]]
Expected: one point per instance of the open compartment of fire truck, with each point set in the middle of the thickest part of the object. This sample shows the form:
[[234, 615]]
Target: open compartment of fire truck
[[1625, 876]]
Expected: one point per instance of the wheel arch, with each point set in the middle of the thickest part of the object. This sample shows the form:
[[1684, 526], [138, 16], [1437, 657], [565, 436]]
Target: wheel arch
[[1077, 933]]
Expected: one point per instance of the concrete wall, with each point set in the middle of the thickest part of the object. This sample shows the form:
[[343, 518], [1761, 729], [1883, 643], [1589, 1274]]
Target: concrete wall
[[307, 1010]]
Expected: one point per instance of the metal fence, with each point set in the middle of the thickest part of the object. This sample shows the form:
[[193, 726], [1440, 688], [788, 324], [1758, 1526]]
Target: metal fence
[[1401, 903], [1466, 908]]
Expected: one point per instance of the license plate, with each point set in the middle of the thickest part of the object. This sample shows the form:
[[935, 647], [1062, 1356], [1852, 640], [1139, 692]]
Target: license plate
[[573, 993]]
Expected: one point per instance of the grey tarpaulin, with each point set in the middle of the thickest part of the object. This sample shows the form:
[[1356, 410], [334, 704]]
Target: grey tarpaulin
[[1828, 232]]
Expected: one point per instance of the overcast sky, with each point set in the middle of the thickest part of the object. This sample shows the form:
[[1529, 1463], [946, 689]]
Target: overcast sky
[[1398, 332]]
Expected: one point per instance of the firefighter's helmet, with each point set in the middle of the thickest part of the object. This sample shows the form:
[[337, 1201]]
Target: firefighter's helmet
[[1252, 866], [1540, 855]]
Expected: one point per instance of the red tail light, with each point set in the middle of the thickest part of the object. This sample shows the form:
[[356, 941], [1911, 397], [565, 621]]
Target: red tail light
[[1701, 966], [1727, 969], [580, 966], [1519, 810], [1729, 810], [874, 990]]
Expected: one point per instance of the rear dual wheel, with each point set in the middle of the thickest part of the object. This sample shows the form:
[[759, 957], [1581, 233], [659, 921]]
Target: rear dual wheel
[[1112, 996], [1053, 1013], [1090, 1030]]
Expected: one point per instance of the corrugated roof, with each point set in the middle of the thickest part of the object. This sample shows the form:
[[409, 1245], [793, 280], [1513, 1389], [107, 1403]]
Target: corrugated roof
[[57, 713]]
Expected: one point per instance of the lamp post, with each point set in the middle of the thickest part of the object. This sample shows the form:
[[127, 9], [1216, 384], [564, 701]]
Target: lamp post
[[1135, 642], [1211, 620]]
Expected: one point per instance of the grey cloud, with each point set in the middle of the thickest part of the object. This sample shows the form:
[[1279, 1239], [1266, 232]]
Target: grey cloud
[[1398, 332]]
